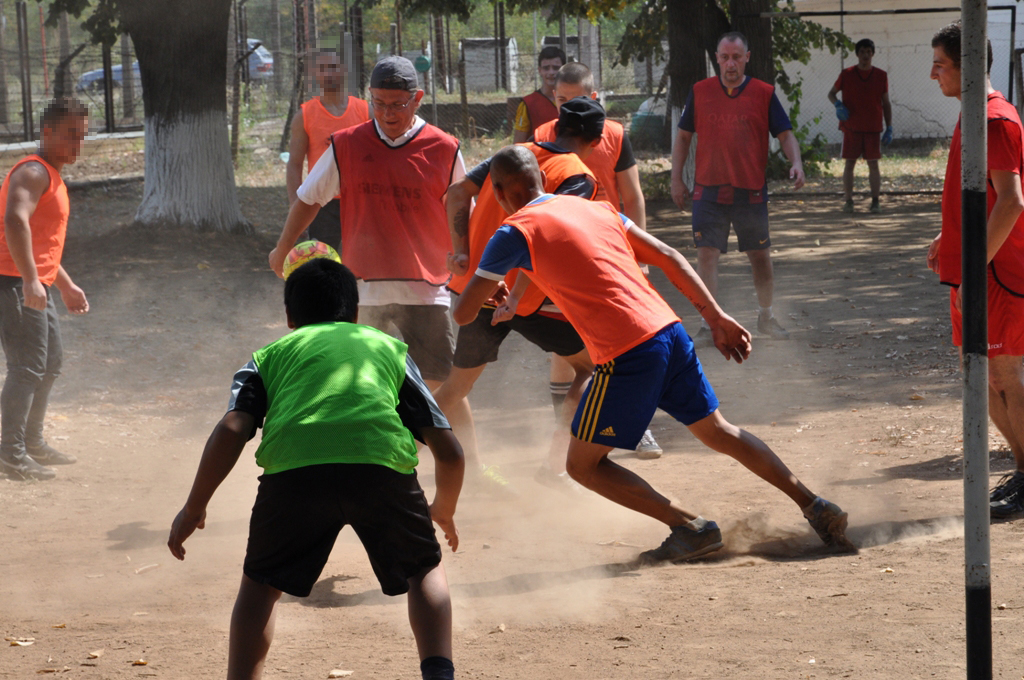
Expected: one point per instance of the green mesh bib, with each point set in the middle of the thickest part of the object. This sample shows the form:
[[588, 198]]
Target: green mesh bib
[[332, 389]]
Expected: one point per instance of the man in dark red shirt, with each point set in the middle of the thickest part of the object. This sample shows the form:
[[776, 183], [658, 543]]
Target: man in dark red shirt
[[865, 91], [1005, 245]]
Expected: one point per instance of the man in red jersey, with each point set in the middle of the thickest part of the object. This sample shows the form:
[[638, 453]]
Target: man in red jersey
[[312, 127], [1005, 241], [865, 102], [539, 106], [32, 231], [732, 116], [585, 255]]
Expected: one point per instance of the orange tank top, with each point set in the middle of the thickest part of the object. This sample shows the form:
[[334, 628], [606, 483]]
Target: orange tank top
[[584, 263], [602, 160], [395, 226], [488, 215], [320, 124], [49, 225]]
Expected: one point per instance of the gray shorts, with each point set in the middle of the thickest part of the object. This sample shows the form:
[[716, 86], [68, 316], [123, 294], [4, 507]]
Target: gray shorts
[[427, 330]]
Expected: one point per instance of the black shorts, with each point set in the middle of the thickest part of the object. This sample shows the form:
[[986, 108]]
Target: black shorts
[[478, 342], [298, 514], [427, 329], [326, 226], [711, 222]]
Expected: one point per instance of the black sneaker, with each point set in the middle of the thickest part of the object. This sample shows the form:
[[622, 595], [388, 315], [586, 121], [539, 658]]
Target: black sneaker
[[703, 339], [687, 541], [1006, 500], [770, 326], [829, 521], [25, 469], [47, 455]]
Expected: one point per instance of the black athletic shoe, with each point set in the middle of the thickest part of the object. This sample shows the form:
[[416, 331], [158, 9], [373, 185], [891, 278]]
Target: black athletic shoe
[[687, 541], [25, 469], [47, 455], [1006, 500]]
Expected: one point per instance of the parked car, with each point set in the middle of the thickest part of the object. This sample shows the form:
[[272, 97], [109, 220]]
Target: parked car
[[261, 61], [91, 82]]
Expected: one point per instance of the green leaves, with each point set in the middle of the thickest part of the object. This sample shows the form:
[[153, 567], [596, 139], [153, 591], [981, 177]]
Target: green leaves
[[103, 23]]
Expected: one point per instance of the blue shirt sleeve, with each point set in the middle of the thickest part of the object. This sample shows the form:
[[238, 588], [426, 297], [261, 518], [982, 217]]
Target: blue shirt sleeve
[[478, 175], [507, 250], [686, 121], [778, 121]]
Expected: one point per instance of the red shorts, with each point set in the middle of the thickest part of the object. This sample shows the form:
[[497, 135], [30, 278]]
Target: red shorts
[[1005, 321], [866, 145]]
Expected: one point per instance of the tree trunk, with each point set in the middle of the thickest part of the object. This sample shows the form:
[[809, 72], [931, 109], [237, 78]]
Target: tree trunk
[[182, 52], [127, 79], [66, 83], [4, 116], [759, 36]]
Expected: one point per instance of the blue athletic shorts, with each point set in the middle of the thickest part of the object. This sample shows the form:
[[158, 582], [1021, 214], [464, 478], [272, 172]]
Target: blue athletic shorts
[[662, 372], [711, 222]]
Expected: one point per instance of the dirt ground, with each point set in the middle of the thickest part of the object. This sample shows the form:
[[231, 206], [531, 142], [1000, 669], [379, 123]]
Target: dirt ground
[[863, 404]]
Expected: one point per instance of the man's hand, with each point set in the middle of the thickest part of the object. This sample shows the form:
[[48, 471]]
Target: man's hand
[[796, 173], [74, 299], [183, 526], [933, 254], [276, 260], [500, 296], [458, 263], [34, 295], [731, 339], [447, 524], [680, 194], [887, 136], [842, 113], [505, 311]]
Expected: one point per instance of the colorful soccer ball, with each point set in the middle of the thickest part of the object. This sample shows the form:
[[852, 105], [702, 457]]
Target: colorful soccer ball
[[306, 251]]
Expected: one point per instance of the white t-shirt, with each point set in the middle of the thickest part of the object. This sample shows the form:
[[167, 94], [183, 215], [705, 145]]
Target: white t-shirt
[[323, 183]]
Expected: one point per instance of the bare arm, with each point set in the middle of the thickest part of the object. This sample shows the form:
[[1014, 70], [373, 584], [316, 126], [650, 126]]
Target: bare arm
[[680, 152], [520, 136], [27, 185], [449, 468], [477, 292], [731, 339], [297, 147], [72, 296], [791, 147], [1007, 208], [459, 200], [887, 109], [633, 204], [507, 309], [299, 217], [220, 455], [832, 95]]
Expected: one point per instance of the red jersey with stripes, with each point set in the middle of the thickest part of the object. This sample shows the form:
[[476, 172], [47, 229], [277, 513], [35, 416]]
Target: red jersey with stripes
[[395, 227], [580, 257], [1005, 152], [48, 224]]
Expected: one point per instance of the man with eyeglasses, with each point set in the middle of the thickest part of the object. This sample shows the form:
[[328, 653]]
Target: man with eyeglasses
[[392, 174]]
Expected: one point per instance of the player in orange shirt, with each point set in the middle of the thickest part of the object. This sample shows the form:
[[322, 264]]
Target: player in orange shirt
[[585, 255], [618, 183], [311, 131]]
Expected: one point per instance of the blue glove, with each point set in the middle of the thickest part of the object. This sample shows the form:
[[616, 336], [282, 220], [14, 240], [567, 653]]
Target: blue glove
[[842, 113], [887, 136]]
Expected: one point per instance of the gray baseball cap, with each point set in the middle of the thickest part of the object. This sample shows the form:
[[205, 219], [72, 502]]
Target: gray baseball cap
[[394, 73]]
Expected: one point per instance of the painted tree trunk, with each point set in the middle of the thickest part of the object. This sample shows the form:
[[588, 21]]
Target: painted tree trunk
[[181, 46]]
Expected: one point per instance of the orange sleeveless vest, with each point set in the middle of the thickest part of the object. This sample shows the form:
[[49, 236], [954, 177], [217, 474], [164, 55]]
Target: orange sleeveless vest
[[320, 124], [395, 227], [540, 108], [49, 225], [583, 261], [488, 215], [733, 133], [602, 160]]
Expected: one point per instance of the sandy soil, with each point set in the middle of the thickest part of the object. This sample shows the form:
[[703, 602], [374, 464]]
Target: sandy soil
[[863, 404]]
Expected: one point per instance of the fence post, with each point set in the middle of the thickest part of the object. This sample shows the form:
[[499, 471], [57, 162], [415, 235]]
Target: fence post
[[108, 89], [26, 72], [127, 78], [463, 99], [3, 74]]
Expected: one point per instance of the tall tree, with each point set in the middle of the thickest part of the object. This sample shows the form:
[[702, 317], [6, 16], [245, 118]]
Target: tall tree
[[181, 46]]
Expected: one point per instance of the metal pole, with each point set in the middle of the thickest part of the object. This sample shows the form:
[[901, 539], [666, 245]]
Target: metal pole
[[1013, 48], [108, 89], [26, 71], [432, 71], [973, 159]]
